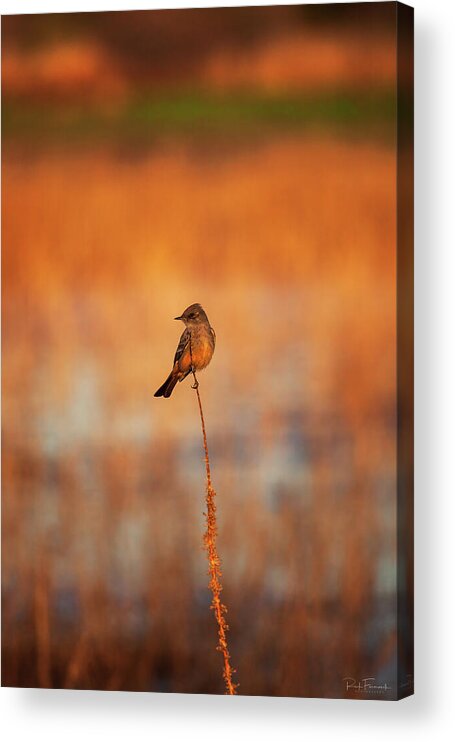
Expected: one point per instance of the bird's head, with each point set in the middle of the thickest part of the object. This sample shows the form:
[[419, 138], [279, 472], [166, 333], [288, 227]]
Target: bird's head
[[193, 315]]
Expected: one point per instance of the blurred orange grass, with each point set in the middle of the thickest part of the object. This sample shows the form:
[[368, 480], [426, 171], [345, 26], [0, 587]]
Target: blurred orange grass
[[83, 496]]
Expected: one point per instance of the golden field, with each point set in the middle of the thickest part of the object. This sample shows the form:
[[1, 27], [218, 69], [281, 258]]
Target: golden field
[[290, 246]]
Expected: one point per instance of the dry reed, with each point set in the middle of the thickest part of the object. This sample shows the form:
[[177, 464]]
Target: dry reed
[[214, 571]]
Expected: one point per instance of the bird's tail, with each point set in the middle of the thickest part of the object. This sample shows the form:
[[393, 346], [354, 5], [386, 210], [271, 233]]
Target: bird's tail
[[166, 389]]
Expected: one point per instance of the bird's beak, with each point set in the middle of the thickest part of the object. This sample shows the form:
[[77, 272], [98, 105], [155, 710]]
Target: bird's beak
[[178, 317]]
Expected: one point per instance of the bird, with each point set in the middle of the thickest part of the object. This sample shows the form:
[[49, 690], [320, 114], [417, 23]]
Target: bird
[[194, 351]]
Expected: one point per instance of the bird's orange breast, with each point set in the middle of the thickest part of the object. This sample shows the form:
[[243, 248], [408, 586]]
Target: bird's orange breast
[[200, 355]]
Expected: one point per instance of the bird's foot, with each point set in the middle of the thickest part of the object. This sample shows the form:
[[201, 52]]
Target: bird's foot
[[196, 383]]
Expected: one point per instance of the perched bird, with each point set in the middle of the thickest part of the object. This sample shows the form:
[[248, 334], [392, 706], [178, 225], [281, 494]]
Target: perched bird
[[195, 348]]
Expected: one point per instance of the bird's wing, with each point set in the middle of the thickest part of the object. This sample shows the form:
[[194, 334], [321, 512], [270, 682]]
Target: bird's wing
[[182, 346], [213, 335]]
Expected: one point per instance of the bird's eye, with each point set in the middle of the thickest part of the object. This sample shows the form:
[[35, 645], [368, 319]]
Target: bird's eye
[[191, 316]]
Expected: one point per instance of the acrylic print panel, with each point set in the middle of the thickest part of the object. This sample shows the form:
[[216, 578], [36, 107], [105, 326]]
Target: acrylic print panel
[[255, 163]]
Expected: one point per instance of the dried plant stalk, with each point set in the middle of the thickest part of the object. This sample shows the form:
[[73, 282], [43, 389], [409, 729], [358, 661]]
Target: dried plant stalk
[[214, 572]]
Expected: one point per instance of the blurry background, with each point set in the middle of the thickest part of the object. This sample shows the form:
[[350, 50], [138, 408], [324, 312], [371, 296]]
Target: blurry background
[[244, 159]]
